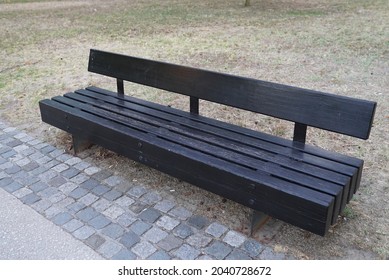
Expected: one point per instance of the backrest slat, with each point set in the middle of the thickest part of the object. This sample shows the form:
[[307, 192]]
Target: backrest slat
[[335, 113]]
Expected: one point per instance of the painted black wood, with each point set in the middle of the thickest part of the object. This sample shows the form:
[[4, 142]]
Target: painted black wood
[[120, 86], [336, 113], [289, 180], [300, 132], [194, 105], [216, 145], [261, 143], [303, 207]]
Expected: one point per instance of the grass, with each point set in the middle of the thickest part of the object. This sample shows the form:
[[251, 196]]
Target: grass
[[306, 13], [338, 46], [20, 1], [349, 213]]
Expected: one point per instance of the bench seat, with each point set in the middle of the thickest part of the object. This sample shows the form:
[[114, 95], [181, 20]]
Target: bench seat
[[298, 183]]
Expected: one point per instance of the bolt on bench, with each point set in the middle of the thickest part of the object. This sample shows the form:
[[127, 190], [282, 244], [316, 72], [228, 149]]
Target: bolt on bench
[[298, 183]]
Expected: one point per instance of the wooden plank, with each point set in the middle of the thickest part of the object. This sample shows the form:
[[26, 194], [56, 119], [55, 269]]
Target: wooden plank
[[238, 139], [335, 113], [215, 148], [299, 206], [240, 130]]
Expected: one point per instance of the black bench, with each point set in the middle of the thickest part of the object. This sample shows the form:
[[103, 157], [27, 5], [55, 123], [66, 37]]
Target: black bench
[[287, 179]]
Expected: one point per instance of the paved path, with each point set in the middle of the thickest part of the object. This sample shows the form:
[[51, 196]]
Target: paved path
[[58, 206], [25, 234]]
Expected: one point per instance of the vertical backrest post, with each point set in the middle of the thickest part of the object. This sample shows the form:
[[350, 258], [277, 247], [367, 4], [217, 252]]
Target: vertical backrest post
[[120, 86], [194, 105], [300, 132]]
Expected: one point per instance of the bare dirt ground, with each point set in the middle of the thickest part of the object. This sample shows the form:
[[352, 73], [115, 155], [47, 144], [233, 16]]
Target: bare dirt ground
[[336, 46]]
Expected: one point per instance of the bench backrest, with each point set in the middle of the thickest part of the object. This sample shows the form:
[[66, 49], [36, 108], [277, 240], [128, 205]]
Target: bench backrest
[[345, 115]]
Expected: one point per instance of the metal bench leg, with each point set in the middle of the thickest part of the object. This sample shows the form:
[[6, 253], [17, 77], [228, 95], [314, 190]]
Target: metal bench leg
[[258, 219], [80, 144]]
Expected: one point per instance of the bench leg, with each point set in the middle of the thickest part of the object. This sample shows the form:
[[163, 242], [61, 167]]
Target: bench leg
[[80, 144], [258, 219]]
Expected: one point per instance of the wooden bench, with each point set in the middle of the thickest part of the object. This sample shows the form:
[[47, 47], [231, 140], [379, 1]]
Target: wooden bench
[[298, 183]]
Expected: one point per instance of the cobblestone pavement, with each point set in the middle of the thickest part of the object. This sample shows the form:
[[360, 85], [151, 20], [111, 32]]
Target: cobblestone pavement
[[89, 203]]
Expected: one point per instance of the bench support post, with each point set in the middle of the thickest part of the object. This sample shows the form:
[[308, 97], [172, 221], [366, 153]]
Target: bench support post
[[120, 86], [194, 105], [300, 132], [80, 144], [258, 219]]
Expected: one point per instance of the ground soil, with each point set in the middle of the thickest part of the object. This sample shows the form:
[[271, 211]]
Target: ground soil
[[335, 46]]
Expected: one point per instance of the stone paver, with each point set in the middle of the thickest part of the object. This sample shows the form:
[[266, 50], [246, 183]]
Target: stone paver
[[238, 255], [167, 222], [114, 231], [126, 219], [198, 222], [87, 214], [160, 255], [13, 187], [218, 250], [149, 215], [109, 249], [114, 211], [155, 234], [170, 242], [252, 247], [234, 238], [129, 239], [112, 195], [99, 222], [181, 213], [183, 231], [186, 252], [84, 232], [73, 225], [143, 249], [95, 241], [269, 254], [140, 227], [150, 198], [100, 190], [216, 229], [118, 219], [199, 240], [78, 193], [137, 192], [113, 181], [101, 205], [62, 218], [124, 254]]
